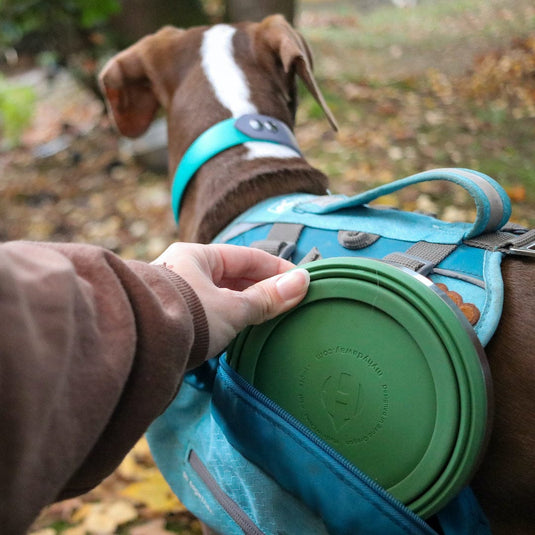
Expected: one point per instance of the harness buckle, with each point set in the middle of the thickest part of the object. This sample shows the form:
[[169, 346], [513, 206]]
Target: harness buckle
[[286, 250], [523, 244], [524, 250], [426, 268]]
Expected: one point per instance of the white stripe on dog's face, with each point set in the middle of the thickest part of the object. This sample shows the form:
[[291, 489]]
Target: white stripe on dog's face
[[231, 88]]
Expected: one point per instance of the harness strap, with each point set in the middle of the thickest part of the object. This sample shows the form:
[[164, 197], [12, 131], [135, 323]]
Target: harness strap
[[492, 203], [235, 230], [421, 257], [281, 240], [507, 242], [312, 255]]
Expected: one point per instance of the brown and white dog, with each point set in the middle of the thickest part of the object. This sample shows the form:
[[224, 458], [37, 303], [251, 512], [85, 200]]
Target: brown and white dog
[[204, 75]]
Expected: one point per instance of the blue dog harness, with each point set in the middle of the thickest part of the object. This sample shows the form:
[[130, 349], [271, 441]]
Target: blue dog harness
[[194, 441], [466, 257]]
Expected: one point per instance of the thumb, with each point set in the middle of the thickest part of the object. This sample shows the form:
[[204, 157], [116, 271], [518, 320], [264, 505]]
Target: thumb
[[276, 295]]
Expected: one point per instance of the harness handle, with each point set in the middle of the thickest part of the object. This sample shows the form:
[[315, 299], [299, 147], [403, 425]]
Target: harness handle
[[492, 202]]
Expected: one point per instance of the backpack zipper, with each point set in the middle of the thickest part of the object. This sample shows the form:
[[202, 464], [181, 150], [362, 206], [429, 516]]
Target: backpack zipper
[[227, 503]]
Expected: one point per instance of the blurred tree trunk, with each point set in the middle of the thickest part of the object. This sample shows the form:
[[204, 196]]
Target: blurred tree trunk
[[140, 17], [255, 10]]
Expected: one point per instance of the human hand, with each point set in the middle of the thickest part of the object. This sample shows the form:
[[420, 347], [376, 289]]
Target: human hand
[[237, 286]]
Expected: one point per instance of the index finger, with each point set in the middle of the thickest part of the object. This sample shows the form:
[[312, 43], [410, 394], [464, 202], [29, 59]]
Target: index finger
[[231, 262]]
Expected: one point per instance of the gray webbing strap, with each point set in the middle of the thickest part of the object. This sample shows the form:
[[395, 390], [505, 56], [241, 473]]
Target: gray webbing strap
[[236, 230], [281, 240], [422, 257], [506, 242], [311, 256]]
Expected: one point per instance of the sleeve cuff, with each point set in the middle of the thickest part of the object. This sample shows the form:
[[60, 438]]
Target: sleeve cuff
[[201, 329]]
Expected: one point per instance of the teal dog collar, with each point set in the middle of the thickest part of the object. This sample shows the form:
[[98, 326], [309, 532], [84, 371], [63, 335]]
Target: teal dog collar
[[222, 136]]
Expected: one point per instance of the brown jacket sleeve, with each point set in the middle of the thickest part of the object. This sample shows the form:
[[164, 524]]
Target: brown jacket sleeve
[[92, 349]]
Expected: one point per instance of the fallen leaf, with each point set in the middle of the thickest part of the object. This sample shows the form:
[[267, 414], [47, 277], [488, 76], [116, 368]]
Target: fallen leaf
[[138, 464], [105, 518], [131, 470], [425, 204], [154, 527], [154, 493], [64, 510], [516, 193], [82, 512], [454, 214]]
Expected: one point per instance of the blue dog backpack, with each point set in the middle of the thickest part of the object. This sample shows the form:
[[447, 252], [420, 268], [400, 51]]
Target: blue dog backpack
[[244, 459]]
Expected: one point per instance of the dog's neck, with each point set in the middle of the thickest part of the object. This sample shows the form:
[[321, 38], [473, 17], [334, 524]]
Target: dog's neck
[[238, 178], [228, 185]]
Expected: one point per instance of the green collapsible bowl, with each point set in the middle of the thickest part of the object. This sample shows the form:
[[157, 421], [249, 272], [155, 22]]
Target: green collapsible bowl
[[382, 366]]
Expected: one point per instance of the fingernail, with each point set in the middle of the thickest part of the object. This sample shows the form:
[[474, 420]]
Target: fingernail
[[293, 284]]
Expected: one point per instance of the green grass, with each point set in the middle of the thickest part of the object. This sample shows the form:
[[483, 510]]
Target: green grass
[[391, 42]]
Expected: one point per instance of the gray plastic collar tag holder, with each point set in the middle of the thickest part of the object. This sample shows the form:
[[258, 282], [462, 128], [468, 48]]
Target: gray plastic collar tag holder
[[265, 128]]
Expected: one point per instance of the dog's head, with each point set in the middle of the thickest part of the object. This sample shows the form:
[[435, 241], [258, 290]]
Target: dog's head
[[206, 74], [202, 76]]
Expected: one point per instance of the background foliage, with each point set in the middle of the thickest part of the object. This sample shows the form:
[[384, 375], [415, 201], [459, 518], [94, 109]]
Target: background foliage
[[51, 18], [16, 110]]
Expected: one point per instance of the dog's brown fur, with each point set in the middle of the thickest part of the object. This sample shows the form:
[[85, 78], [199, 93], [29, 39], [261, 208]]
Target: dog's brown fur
[[164, 70]]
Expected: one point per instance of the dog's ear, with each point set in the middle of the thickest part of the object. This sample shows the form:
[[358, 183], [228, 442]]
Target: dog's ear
[[129, 82], [294, 53]]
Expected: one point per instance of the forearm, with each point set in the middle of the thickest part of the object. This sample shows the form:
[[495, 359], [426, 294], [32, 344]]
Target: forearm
[[92, 350]]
